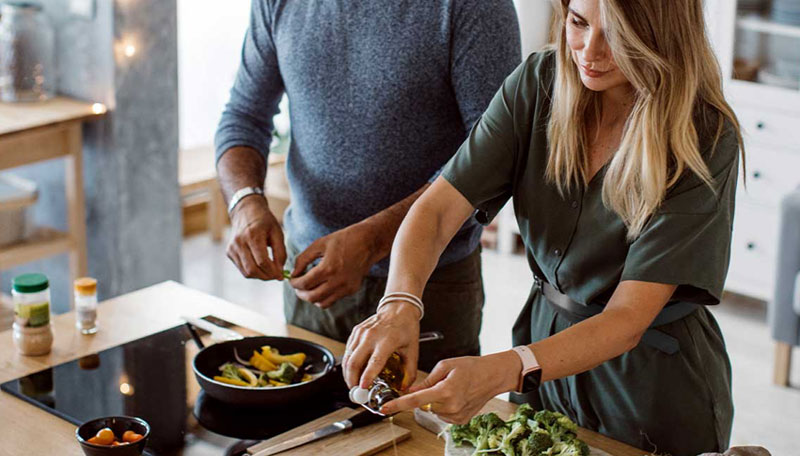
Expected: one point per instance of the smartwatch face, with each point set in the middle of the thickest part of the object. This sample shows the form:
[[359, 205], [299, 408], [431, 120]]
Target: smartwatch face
[[531, 381]]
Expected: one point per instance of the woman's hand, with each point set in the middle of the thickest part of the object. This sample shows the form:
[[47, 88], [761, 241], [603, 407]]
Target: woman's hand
[[394, 328], [458, 388]]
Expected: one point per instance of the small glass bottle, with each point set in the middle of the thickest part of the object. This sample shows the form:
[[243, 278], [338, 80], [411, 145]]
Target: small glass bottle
[[32, 330], [86, 305], [386, 386]]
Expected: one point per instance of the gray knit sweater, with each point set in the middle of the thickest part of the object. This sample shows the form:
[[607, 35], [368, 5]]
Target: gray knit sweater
[[381, 94]]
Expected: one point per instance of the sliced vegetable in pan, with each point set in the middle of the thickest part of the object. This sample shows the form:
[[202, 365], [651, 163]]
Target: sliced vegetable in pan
[[265, 369]]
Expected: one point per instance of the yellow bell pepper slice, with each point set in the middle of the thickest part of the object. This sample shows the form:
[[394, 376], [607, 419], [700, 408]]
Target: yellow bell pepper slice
[[276, 358], [262, 363], [277, 383], [230, 381]]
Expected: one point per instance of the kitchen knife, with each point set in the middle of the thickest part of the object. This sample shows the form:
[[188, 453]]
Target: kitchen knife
[[218, 333], [363, 418]]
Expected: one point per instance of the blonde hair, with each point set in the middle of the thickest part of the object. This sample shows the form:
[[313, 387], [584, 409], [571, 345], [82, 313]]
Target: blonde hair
[[663, 50]]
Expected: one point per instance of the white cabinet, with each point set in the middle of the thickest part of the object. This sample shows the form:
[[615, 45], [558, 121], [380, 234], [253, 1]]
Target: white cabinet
[[759, 50]]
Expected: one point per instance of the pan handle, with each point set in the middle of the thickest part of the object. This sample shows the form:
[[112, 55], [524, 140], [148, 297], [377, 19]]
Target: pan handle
[[195, 336], [430, 336]]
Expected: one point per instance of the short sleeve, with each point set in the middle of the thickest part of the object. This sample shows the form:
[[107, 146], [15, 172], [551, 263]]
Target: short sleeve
[[482, 170], [687, 242]]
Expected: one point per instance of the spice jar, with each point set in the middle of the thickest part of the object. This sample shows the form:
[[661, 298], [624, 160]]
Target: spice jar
[[86, 305], [32, 331]]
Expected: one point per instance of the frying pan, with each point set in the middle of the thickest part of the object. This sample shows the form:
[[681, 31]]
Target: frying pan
[[319, 363]]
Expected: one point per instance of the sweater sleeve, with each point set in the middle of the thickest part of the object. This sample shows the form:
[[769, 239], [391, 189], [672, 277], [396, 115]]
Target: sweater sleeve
[[257, 90]]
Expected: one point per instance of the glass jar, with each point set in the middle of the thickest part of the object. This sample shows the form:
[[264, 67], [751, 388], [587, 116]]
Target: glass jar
[[32, 330], [86, 305], [386, 386], [27, 53]]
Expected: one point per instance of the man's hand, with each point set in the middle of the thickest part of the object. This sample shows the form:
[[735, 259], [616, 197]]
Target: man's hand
[[254, 230], [346, 255]]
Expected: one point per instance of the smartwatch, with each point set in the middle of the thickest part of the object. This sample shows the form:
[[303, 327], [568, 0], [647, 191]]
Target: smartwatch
[[531, 375]]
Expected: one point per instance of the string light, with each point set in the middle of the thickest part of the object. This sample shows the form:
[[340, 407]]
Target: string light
[[126, 389], [99, 108], [130, 50]]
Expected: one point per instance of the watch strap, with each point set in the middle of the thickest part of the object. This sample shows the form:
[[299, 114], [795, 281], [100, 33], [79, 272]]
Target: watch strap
[[529, 365], [240, 194]]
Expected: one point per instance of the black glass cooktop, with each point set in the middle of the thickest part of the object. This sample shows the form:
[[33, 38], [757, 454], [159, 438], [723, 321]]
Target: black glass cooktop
[[152, 378]]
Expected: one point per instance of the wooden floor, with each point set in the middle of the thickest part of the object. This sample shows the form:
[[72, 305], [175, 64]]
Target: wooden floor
[[765, 414]]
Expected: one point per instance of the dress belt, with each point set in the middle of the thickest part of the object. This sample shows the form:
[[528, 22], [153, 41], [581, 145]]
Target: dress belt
[[576, 312]]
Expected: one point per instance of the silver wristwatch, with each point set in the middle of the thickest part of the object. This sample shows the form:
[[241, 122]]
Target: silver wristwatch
[[240, 194]]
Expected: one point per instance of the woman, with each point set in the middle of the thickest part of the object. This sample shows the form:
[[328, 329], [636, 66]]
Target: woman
[[621, 155]]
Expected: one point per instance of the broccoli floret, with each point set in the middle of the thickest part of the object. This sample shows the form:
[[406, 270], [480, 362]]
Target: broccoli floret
[[486, 425], [519, 431], [495, 437], [476, 431], [539, 442], [567, 424], [230, 370], [524, 412], [284, 373], [463, 433], [574, 448]]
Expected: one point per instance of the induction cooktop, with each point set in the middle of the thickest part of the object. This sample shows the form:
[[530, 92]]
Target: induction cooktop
[[152, 378]]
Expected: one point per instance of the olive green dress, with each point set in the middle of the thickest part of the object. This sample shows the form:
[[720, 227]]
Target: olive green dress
[[671, 401]]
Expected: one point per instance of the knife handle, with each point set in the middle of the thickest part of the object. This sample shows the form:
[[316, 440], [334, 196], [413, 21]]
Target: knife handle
[[365, 418]]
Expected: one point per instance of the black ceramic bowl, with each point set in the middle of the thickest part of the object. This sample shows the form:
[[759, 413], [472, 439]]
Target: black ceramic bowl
[[319, 362], [118, 424]]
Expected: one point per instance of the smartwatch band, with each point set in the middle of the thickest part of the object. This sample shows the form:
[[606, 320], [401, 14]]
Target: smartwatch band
[[531, 374]]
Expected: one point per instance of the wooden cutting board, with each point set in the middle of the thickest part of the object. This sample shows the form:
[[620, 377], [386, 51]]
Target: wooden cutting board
[[358, 442]]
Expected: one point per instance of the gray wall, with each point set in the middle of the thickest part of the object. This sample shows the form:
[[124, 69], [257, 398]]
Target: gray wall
[[130, 157]]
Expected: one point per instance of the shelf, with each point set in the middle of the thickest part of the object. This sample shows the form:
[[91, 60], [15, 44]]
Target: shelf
[[764, 25], [43, 243]]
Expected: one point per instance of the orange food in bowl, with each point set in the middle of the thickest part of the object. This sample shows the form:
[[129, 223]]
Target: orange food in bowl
[[131, 437], [105, 436]]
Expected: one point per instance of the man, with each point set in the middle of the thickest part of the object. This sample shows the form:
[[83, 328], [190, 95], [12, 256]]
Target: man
[[381, 95]]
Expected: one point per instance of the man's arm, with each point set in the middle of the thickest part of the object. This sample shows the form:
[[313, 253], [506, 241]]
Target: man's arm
[[242, 144]]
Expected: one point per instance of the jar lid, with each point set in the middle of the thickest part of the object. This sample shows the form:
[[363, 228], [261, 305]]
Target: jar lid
[[30, 283], [86, 285]]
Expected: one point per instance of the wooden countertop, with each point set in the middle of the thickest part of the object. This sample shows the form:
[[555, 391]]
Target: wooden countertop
[[16, 117], [25, 429]]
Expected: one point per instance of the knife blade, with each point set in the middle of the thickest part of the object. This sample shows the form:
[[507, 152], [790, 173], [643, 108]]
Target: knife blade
[[361, 419]]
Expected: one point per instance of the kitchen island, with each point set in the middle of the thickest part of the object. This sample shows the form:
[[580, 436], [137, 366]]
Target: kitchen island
[[26, 429]]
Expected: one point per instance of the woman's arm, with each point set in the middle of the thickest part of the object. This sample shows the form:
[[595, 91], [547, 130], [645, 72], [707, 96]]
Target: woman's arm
[[583, 346], [460, 387], [431, 223]]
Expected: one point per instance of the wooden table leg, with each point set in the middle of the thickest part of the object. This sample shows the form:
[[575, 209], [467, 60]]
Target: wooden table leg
[[76, 210], [783, 363]]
